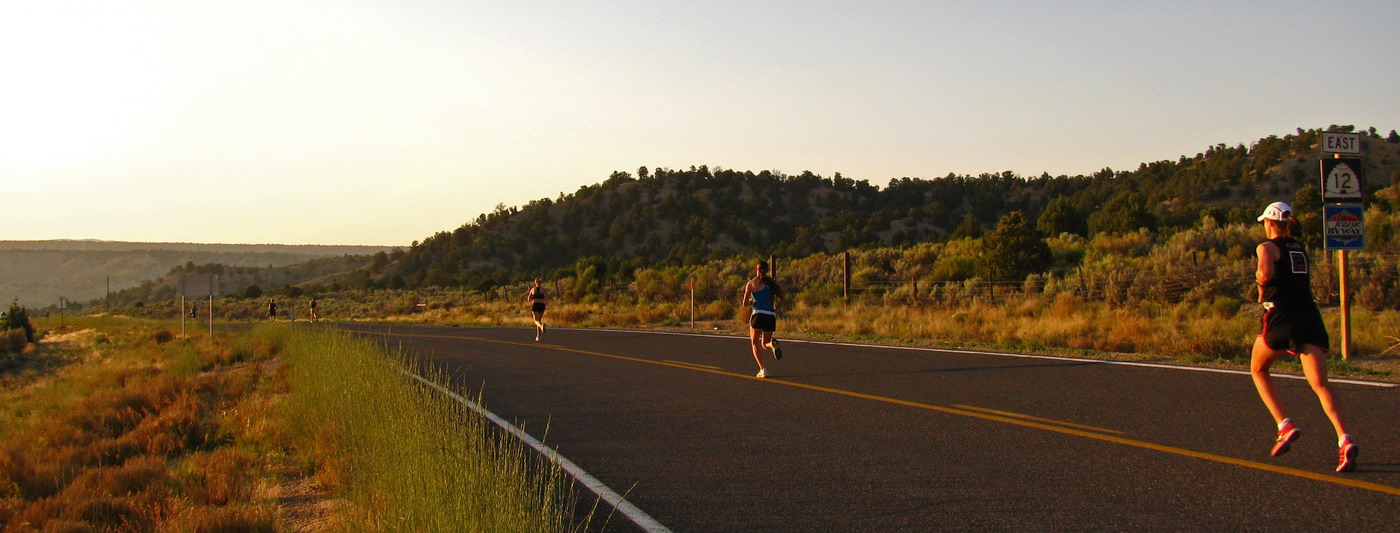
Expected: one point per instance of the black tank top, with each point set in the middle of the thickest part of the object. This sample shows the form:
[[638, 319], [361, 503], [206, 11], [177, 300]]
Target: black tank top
[[1290, 284]]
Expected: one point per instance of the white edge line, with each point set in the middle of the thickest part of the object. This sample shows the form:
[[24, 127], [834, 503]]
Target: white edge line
[[1382, 385], [636, 515]]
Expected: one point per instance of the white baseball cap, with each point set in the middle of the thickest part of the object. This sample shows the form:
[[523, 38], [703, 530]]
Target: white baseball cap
[[1276, 211]]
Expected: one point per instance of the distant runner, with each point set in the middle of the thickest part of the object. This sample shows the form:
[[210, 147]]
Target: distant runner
[[272, 309], [1292, 325], [537, 297], [315, 316], [763, 294]]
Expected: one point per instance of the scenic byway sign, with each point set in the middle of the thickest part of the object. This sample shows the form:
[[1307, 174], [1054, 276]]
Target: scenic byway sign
[[1344, 228]]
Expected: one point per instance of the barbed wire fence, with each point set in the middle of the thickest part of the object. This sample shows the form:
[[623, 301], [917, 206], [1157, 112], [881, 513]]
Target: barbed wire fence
[[1199, 277]]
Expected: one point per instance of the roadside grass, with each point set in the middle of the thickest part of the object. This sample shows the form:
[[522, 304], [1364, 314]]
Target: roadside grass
[[116, 424], [408, 458], [1215, 333], [105, 440]]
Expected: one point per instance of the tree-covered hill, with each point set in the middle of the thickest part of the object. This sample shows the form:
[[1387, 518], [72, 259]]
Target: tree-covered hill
[[39, 273], [659, 217], [243, 281]]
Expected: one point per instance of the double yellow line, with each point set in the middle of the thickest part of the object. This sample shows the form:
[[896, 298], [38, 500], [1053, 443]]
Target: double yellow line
[[1046, 424]]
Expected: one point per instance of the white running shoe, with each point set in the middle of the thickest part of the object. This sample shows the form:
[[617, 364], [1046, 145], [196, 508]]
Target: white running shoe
[[762, 373]]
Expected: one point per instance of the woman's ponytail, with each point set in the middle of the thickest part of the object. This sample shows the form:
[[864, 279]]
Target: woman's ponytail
[[768, 280]]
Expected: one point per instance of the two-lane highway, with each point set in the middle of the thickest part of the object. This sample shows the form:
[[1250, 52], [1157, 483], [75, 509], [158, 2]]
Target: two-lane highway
[[862, 438]]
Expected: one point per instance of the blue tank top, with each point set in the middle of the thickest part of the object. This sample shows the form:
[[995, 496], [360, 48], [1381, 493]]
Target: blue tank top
[[763, 300]]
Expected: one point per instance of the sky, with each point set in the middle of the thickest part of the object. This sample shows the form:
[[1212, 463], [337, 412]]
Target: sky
[[382, 123]]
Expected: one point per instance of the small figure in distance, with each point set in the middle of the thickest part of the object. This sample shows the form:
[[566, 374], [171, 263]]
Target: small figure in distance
[[315, 315], [1292, 325], [272, 309], [194, 310], [537, 298], [764, 295]]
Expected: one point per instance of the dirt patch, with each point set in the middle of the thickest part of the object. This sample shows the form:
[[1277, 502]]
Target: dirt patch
[[76, 336], [305, 505]]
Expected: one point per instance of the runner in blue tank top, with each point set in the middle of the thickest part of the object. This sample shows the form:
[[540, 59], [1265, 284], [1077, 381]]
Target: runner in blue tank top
[[763, 294], [1292, 325]]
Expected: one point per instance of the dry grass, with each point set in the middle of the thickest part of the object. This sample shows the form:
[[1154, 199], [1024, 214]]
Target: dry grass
[[1216, 333], [124, 436]]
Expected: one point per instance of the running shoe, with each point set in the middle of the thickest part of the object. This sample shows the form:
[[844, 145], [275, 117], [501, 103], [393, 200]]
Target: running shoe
[[1286, 436], [777, 350], [1346, 456], [762, 373]]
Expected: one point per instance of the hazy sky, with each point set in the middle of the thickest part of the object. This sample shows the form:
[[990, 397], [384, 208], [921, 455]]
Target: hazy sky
[[383, 122]]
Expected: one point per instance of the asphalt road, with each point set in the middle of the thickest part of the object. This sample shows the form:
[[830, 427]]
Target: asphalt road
[[861, 438]]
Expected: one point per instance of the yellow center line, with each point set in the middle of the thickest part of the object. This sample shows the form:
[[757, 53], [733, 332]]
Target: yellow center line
[[694, 365], [1036, 418], [965, 411]]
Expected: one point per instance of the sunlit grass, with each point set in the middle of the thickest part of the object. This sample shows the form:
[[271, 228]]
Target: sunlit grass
[[118, 424], [1216, 332], [409, 458], [95, 435]]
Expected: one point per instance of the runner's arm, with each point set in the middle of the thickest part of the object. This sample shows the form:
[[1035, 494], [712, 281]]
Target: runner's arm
[[1264, 271]]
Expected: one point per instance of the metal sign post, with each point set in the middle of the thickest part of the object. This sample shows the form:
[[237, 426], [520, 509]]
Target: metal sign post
[[1344, 226], [199, 285], [1344, 229]]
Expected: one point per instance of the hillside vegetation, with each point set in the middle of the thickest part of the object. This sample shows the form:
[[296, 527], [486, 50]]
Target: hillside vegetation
[[664, 217], [1155, 262], [38, 273], [244, 281]]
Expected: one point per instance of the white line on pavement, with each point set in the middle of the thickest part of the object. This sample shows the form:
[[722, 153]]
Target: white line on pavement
[[636, 515]]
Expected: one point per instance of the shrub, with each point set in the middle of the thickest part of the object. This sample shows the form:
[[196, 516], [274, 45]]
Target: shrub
[[217, 477], [1225, 307], [18, 318], [716, 310], [13, 341], [567, 315], [1198, 350], [1065, 305]]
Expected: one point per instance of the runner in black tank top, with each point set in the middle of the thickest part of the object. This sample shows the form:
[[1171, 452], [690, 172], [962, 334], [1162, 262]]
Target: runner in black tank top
[[1291, 319], [537, 297], [1292, 325]]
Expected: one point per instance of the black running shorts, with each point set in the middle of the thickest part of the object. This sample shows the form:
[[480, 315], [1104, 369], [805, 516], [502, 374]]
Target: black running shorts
[[763, 322], [1289, 327], [537, 307]]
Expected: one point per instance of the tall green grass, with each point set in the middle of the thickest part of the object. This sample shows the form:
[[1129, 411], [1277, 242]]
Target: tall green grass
[[408, 457]]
